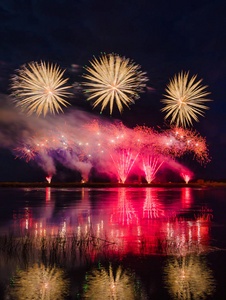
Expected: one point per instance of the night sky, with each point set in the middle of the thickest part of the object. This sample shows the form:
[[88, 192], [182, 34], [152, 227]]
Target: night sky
[[164, 37]]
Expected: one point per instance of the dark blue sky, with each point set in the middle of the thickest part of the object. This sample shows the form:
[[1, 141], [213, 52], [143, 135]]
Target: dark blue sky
[[164, 37]]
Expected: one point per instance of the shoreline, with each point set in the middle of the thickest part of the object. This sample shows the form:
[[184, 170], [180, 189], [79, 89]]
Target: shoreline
[[110, 185]]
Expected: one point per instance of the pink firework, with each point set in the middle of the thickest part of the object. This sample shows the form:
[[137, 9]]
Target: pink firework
[[151, 165], [49, 178], [151, 150], [26, 151], [124, 161], [179, 141], [122, 146], [186, 177]]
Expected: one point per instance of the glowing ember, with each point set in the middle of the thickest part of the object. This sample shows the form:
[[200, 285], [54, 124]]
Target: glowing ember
[[186, 177], [49, 178]]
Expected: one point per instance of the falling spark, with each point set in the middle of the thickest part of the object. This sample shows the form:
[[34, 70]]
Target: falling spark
[[39, 88], [113, 79], [184, 99]]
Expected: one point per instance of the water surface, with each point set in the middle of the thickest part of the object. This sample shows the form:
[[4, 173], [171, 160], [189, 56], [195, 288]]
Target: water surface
[[112, 243]]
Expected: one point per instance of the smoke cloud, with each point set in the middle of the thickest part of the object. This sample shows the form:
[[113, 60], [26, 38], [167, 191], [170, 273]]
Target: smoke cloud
[[79, 141]]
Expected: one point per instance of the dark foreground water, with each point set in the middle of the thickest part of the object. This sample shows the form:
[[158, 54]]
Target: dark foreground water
[[116, 243]]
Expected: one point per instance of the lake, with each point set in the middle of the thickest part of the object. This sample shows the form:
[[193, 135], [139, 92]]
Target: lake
[[112, 243]]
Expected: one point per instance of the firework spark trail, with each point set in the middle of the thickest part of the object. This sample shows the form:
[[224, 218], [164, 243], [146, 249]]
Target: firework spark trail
[[186, 177], [39, 88], [25, 152], [151, 165], [124, 162], [122, 148], [184, 99], [113, 79]]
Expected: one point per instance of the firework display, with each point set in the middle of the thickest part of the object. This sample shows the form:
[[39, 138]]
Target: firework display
[[49, 179], [185, 99], [115, 149], [112, 79], [186, 177], [179, 141], [109, 147], [40, 88], [108, 196]]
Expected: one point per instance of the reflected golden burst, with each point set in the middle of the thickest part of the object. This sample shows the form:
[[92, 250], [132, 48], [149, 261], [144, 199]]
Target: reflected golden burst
[[40, 88], [113, 79], [184, 99], [189, 278], [40, 282], [101, 284]]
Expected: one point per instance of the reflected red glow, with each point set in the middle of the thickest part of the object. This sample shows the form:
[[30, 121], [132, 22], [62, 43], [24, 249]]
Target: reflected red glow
[[187, 199], [152, 207], [48, 194], [123, 213], [138, 221]]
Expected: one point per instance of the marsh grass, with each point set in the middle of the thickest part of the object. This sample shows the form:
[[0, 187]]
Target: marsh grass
[[55, 249], [73, 250]]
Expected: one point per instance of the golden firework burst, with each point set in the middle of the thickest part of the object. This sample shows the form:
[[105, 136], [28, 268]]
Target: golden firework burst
[[40, 88], [185, 99], [113, 79]]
